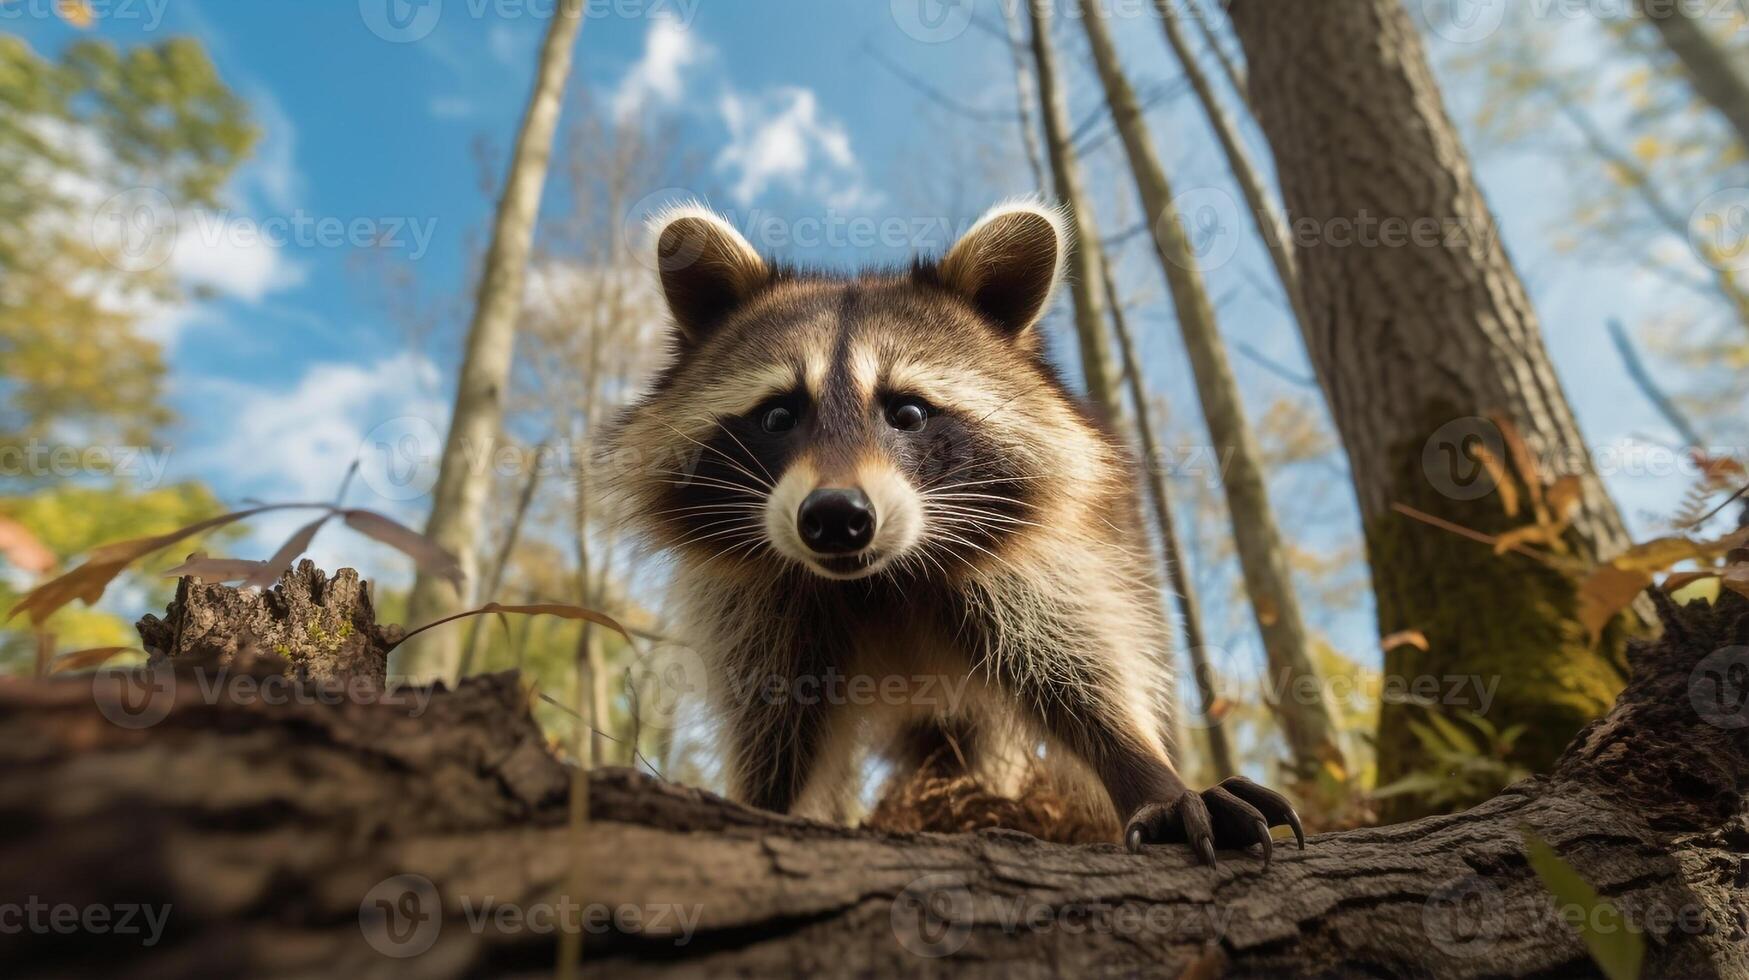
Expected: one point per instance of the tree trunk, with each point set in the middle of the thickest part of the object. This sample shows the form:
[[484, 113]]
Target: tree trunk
[[1171, 553], [494, 580], [1298, 698], [463, 478], [1085, 264], [352, 830], [1024, 95], [1264, 214], [1418, 336], [1717, 74]]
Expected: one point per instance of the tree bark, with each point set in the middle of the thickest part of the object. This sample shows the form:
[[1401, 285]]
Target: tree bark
[[1298, 697], [462, 481], [1085, 263], [1420, 339], [425, 832], [1717, 74]]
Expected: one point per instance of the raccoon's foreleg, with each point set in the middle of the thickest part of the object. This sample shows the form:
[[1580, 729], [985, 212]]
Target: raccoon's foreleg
[[1086, 706], [789, 747]]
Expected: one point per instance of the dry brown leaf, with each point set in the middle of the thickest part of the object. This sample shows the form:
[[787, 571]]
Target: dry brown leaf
[[81, 659], [562, 610], [1267, 613], [1522, 459], [1405, 638], [426, 553], [1605, 593], [1564, 499], [1681, 580], [23, 549], [1221, 708], [88, 581], [1503, 482], [1520, 537], [75, 12], [214, 570], [270, 571], [1718, 470], [1660, 553]]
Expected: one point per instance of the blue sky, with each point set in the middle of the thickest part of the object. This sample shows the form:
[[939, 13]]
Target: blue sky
[[287, 369]]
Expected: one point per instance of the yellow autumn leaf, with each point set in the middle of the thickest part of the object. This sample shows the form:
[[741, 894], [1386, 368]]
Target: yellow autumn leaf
[[75, 12]]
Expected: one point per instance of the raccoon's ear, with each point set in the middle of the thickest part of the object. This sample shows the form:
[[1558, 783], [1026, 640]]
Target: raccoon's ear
[[707, 268], [1009, 263]]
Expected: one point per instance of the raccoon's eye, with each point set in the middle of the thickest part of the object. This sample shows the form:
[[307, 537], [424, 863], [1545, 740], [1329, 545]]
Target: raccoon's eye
[[907, 414], [777, 418]]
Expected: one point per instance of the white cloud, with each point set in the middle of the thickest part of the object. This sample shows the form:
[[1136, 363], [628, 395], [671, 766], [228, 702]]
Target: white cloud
[[783, 138], [214, 251], [296, 443], [669, 49]]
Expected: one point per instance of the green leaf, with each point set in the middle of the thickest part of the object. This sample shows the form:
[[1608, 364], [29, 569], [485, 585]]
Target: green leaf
[[1415, 782], [1616, 946], [1454, 734]]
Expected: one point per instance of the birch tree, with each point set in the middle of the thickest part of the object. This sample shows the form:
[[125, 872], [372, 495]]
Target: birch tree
[[460, 492], [1296, 691]]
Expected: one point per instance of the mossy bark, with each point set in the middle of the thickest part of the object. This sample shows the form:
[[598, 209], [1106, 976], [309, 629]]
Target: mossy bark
[[1421, 334], [1503, 635]]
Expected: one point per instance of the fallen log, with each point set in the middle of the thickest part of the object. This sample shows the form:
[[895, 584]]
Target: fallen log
[[248, 813]]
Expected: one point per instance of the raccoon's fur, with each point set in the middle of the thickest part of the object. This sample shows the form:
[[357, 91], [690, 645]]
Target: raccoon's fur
[[999, 596]]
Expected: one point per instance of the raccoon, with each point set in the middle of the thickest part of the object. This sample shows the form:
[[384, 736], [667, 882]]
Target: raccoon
[[879, 483]]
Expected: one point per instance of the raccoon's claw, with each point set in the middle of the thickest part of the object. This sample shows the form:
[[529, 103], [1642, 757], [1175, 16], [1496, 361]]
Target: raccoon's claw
[[1234, 815]]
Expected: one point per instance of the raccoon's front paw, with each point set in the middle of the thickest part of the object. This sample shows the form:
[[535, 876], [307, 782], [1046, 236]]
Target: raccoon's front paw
[[1233, 815]]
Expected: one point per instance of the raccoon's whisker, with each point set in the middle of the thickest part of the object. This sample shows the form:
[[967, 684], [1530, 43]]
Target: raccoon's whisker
[[691, 479], [984, 521], [971, 544], [696, 538], [710, 509], [769, 485], [770, 481], [932, 485], [968, 496], [752, 545]]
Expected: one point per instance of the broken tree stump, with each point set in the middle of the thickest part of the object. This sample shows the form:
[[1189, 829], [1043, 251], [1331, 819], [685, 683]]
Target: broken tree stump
[[423, 832]]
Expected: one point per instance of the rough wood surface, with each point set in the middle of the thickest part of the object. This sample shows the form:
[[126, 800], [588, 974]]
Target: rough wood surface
[[424, 833]]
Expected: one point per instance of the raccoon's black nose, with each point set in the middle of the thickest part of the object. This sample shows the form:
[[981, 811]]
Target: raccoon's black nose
[[836, 522]]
